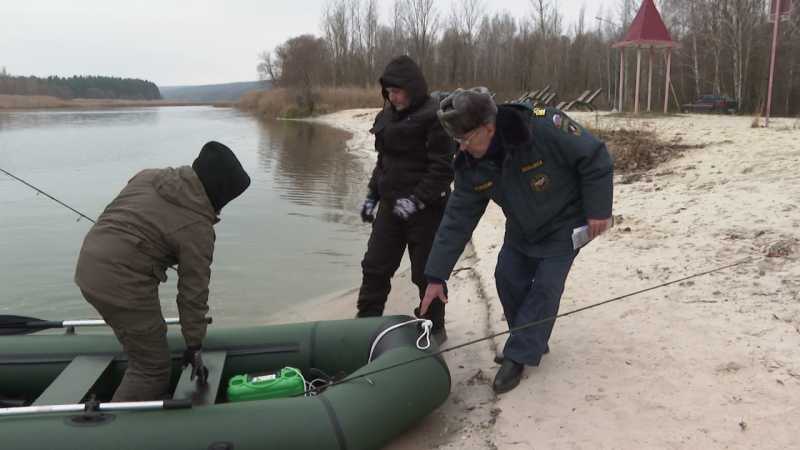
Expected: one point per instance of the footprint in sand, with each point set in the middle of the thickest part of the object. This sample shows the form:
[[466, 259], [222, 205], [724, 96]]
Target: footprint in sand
[[731, 367]]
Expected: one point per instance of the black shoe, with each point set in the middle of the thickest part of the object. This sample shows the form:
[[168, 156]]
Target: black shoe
[[365, 314], [439, 335], [498, 357], [508, 376]]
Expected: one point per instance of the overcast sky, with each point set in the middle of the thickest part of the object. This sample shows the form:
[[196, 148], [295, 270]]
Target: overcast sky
[[175, 42]]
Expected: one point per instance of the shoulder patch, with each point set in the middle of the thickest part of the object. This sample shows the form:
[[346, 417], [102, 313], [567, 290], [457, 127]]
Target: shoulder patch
[[539, 112], [567, 125], [573, 128]]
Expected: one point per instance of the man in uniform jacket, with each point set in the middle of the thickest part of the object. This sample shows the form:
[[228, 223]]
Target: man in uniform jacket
[[550, 176], [161, 218], [409, 187]]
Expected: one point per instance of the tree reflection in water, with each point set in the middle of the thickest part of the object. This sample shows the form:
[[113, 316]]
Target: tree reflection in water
[[312, 167]]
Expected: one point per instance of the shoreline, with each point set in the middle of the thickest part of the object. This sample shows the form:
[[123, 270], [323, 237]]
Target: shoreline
[[711, 362], [11, 103], [463, 420]]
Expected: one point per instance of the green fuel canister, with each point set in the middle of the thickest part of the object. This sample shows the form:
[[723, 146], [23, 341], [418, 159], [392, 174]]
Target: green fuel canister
[[285, 382]]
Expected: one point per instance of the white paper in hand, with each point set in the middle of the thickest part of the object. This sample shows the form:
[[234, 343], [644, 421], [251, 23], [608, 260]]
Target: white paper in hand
[[580, 237]]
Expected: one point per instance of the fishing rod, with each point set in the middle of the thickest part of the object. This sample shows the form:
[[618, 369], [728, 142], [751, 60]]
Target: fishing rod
[[39, 191], [535, 323]]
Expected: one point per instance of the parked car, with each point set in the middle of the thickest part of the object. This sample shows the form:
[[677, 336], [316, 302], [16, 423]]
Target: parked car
[[712, 104]]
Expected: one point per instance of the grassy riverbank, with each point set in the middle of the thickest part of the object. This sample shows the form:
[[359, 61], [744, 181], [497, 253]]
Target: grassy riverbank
[[46, 102], [287, 103]]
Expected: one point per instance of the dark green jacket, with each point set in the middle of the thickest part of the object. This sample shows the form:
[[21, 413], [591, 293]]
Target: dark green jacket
[[547, 173]]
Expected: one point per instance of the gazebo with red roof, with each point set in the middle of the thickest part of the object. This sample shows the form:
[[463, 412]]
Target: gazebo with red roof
[[647, 31]]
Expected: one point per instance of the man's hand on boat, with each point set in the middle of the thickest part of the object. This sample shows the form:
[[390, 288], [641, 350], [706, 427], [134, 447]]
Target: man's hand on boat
[[434, 290], [193, 356]]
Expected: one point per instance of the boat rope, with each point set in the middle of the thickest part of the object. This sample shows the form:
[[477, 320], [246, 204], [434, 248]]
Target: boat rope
[[426, 335], [365, 375]]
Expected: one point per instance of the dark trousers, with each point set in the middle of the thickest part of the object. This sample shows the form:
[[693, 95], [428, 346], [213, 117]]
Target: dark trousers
[[143, 335], [530, 290], [387, 244]]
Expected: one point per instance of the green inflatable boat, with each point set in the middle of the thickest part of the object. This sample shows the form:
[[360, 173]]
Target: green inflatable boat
[[55, 388]]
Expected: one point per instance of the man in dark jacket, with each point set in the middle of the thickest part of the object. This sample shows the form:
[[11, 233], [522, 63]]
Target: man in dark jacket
[[550, 177], [409, 187], [161, 218]]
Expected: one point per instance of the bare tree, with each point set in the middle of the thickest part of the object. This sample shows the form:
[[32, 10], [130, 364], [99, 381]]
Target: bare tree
[[452, 48], [626, 10], [723, 48], [335, 24], [266, 68], [739, 21], [421, 20], [369, 24], [467, 14]]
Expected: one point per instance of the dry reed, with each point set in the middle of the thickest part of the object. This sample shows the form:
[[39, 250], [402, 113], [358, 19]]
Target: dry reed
[[43, 102], [289, 103]]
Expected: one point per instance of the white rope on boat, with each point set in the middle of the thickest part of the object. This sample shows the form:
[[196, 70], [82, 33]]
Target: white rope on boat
[[426, 335]]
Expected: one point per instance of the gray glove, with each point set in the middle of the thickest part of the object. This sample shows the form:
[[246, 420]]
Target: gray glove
[[194, 356], [404, 208], [368, 209]]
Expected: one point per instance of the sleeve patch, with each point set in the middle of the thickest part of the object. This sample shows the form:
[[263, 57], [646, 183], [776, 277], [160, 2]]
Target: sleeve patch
[[567, 125], [484, 186]]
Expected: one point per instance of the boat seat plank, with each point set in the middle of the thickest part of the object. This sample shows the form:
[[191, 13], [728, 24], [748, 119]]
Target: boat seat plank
[[202, 395], [75, 380]]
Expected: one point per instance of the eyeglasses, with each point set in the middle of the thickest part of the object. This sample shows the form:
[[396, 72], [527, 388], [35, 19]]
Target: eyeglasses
[[464, 140]]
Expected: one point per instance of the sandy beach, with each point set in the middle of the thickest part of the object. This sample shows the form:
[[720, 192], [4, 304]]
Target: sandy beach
[[711, 362]]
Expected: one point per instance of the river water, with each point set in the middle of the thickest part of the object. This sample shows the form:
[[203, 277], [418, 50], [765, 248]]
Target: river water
[[294, 235]]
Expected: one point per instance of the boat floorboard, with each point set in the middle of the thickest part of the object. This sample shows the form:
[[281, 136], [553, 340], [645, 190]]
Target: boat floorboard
[[206, 394], [75, 380]]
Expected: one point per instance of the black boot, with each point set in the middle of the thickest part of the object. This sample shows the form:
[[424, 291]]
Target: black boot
[[436, 315], [363, 314], [498, 357], [439, 335], [508, 376]]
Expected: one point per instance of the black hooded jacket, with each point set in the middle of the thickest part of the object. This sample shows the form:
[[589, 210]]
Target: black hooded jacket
[[414, 152]]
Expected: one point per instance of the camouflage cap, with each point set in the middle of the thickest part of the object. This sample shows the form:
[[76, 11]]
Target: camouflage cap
[[464, 110]]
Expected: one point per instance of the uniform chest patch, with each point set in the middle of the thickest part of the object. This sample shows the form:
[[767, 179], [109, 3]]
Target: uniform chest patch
[[539, 112], [484, 186], [540, 182], [532, 166], [557, 120]]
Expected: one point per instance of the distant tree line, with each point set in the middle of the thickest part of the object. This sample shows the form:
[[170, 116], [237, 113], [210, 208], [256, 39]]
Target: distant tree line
[[724, 49], [79, 87]]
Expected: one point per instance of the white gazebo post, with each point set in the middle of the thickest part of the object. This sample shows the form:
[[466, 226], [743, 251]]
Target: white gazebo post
[[621, 76], [666, 90], [650, 83], [647, 31], [638, 78]]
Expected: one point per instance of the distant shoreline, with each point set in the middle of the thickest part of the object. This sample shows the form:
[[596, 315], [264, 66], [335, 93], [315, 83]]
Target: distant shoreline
[[32, 102]]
